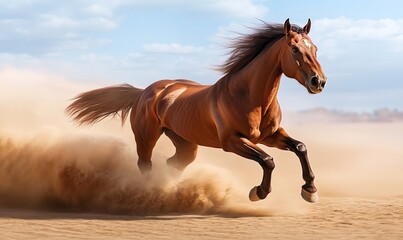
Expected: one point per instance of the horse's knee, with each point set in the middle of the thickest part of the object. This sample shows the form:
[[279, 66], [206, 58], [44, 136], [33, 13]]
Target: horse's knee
[[268, 163], [300, 147], [297, 147]]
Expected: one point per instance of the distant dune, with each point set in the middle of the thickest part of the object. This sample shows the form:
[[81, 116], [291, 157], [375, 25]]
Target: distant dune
[[334, 116]]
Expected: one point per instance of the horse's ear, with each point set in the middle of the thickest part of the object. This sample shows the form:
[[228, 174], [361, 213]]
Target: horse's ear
[[307, 27], [287, 26]]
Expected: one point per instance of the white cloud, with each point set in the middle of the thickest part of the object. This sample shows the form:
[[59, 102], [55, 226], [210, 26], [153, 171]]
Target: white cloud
[[99, 10], [53, 21], [361, 29], [173, 48], [30, 27], [340, 36], [231, 8], [240, 8], [62, 23]]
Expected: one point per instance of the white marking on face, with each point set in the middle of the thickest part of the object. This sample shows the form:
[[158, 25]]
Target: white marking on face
[[172, 96], [297, 62], [307, 44]]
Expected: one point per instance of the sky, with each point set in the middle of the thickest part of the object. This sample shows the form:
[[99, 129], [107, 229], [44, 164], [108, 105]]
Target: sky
[[109, 42]]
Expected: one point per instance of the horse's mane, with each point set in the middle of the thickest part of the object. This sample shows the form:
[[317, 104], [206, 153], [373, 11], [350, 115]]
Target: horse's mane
[[248, 46]]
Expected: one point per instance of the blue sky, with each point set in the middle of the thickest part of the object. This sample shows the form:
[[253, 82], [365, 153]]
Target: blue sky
[[138, 42]]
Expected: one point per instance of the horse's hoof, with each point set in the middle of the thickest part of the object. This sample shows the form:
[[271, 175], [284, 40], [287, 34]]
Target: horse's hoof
[[309, 197], [253, 195]]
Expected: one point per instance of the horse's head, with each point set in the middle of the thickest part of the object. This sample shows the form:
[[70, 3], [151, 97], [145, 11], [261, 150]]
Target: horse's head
[[298, 60]]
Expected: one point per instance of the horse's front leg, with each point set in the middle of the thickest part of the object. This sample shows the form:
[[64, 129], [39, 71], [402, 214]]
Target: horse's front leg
[[281, 140], [245, 148]]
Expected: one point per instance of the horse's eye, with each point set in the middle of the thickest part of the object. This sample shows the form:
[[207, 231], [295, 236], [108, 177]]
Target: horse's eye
[[295, 49]]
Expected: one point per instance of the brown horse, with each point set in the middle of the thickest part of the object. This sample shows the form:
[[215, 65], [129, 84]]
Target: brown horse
[[236, 113]]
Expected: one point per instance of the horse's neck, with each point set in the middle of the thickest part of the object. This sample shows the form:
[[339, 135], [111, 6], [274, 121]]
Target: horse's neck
[[261, 78]]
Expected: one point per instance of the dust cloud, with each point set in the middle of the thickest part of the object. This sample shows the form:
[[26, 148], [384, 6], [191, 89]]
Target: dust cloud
[[98, 174]]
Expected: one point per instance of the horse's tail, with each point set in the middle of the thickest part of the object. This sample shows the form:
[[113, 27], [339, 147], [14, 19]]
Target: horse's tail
[[93, 106]]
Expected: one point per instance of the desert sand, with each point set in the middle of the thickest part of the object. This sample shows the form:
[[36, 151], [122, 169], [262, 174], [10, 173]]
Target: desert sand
[[332, 218], [60, 181]]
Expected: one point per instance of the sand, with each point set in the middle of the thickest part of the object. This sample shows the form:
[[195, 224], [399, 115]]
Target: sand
[[58, 181], [332, 218]]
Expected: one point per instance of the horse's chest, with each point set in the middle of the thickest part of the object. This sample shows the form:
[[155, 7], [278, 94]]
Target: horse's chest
[[262, 127], [262, 133]]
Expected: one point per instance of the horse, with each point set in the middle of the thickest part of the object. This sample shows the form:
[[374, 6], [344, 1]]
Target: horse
[[235, 114]]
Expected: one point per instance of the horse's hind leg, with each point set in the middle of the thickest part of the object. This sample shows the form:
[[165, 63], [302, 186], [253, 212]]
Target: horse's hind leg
[[144, 152], [146, 131], [185, 151]]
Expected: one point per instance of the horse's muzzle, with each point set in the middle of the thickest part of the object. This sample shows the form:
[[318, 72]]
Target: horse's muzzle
[[316, 84]]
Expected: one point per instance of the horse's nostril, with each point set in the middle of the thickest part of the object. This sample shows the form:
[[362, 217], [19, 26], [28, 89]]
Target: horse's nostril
[[315, 82]]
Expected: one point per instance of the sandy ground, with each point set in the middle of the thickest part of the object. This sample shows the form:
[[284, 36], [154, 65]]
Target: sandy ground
[[332, 218], [58, 181]]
